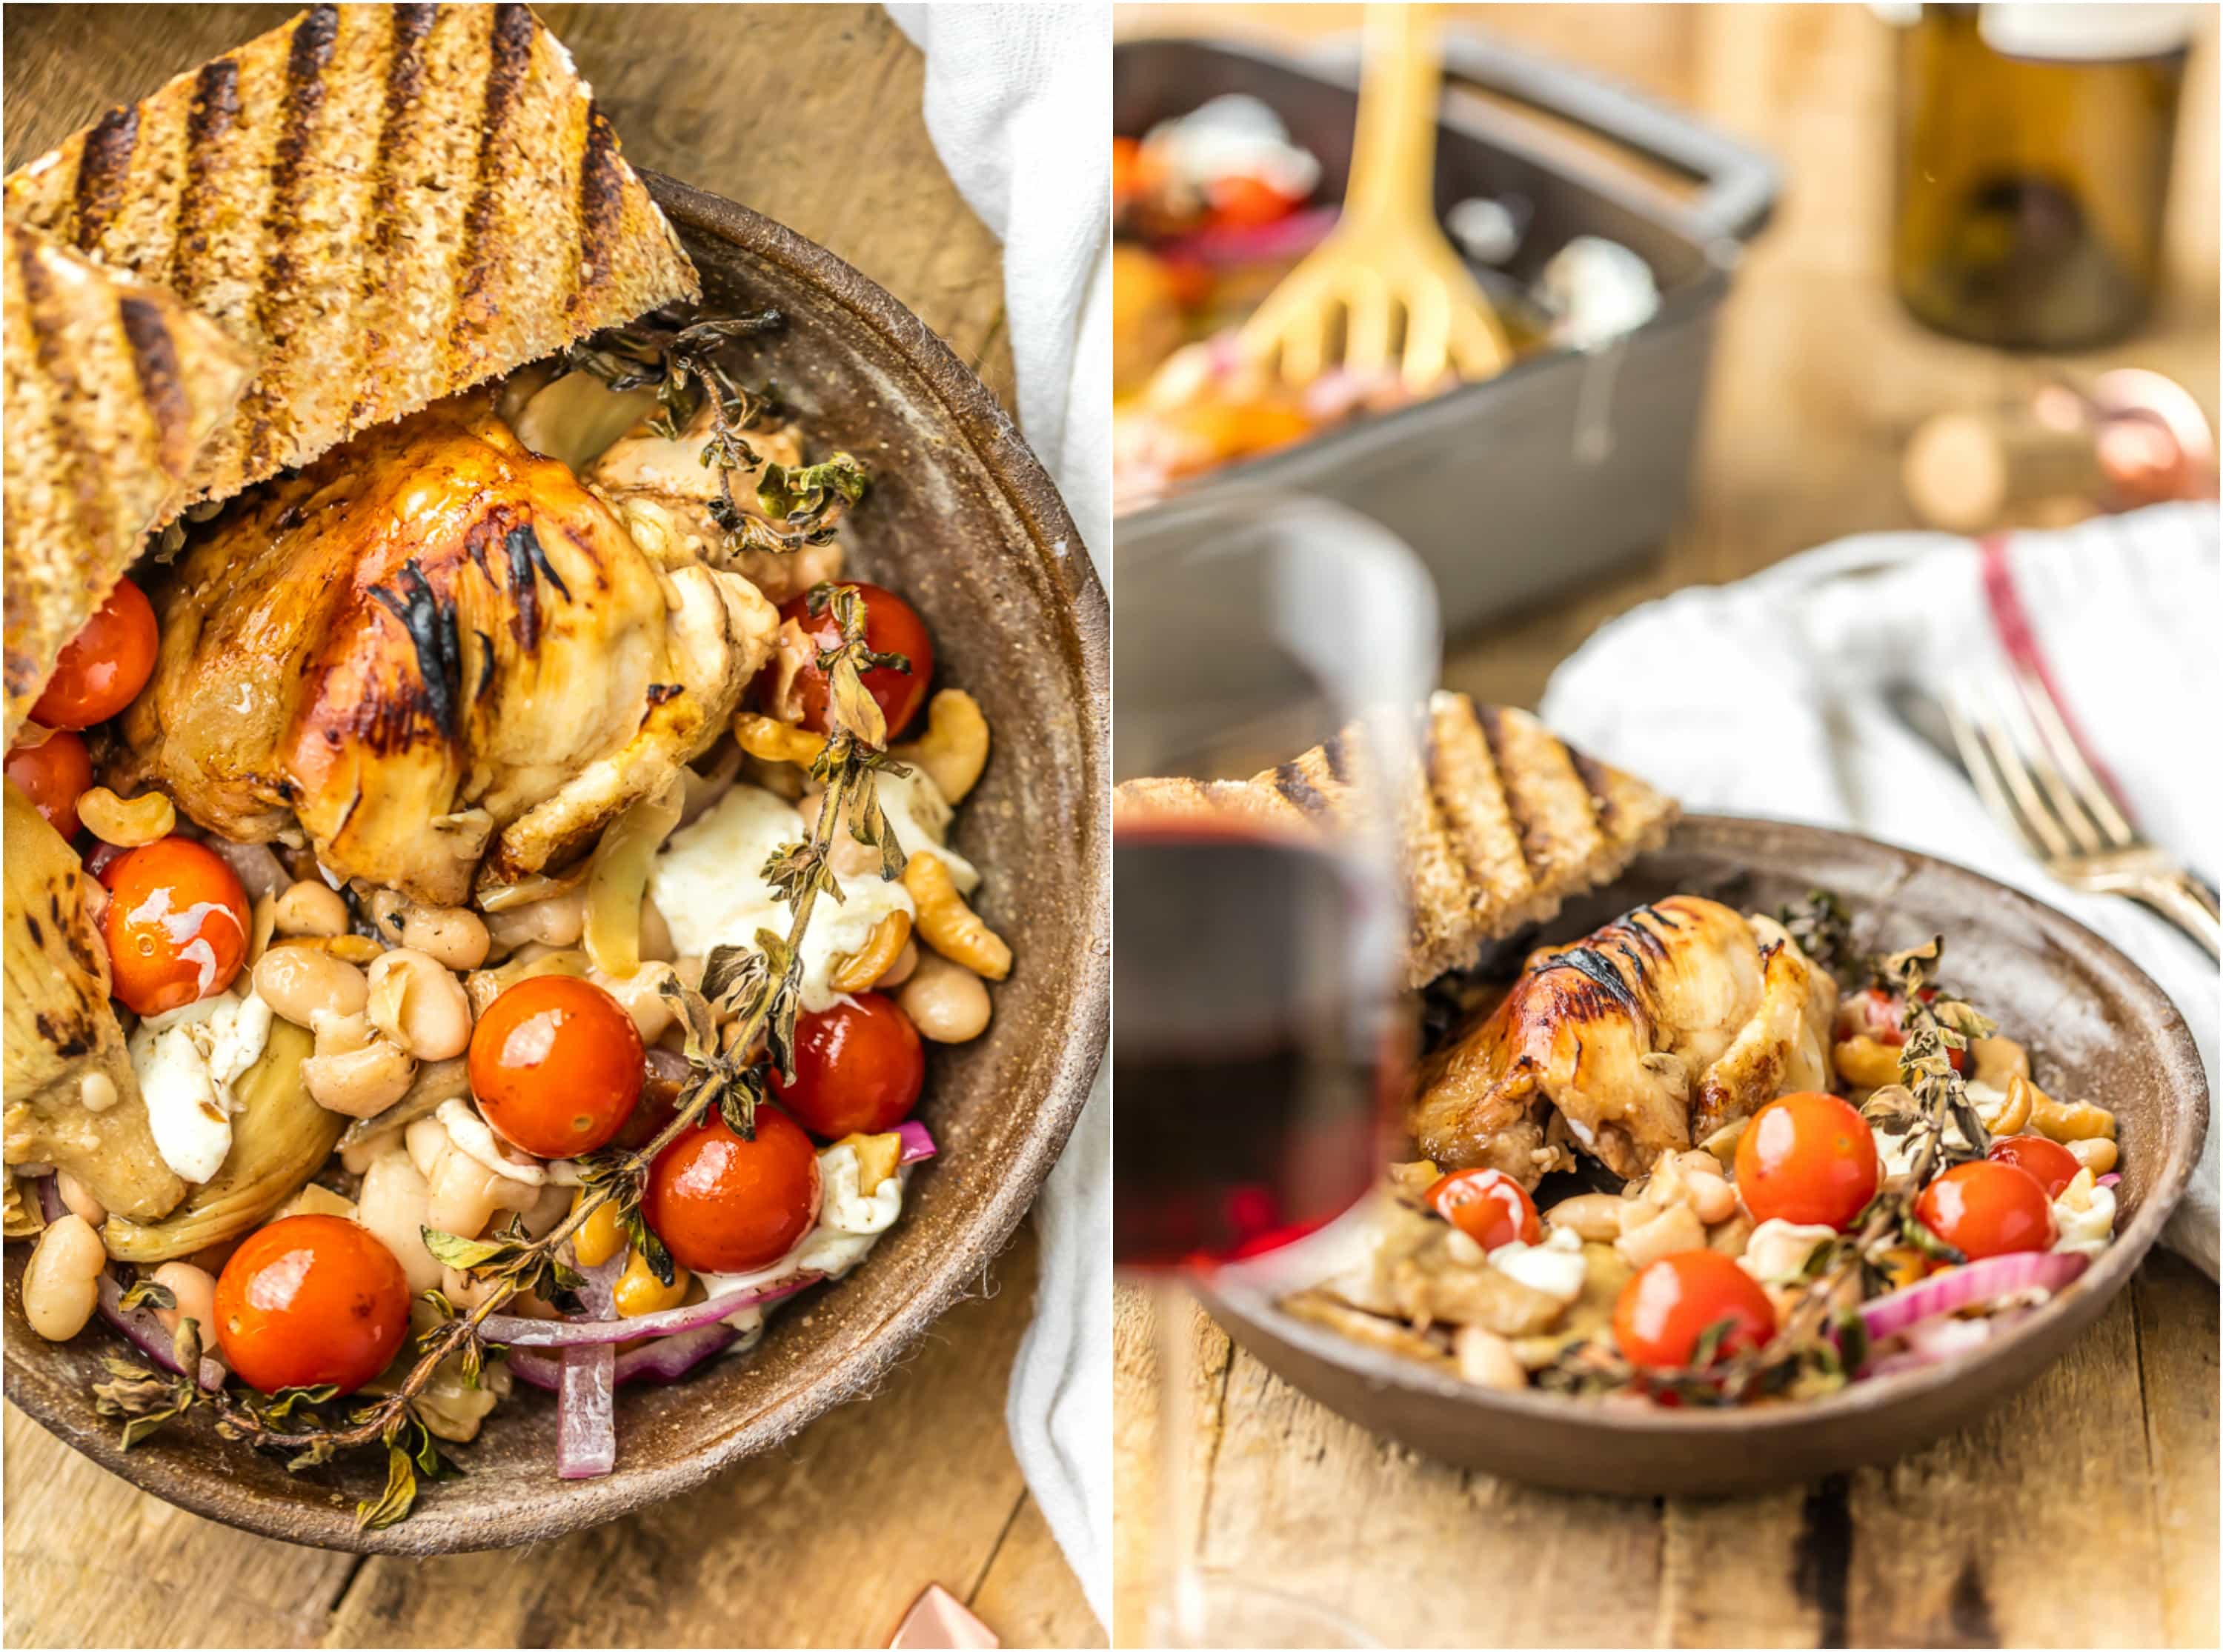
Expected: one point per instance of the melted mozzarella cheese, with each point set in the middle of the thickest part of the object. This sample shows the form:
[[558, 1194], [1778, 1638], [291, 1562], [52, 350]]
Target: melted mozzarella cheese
[[2084, 1215], [1778, 1251], [188, 1061], [709, 885], [1555, 1267]]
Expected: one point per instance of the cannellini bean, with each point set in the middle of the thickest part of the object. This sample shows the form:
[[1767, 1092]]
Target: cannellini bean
[[558, 920], [1668, 1234], [845, 855], [1594, 1217], [359, 1082], [456, 936], [78, 1197], [1995, 1060], [641, 995], [61, 1282], [395, 1204], [946, 1002], [420, 1006], [901, 970], [195, 1291], [465, 1194], [2095, 1153], [299, 981], [1487, 1360], [1712, 1199], [310, 908], [1866, 1063]]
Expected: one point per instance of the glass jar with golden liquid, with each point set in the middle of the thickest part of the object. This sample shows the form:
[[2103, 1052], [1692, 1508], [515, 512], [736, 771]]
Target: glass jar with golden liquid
[[2031, 166]]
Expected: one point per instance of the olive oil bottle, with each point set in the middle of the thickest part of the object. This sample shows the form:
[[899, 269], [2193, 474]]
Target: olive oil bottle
[[2032, 163]]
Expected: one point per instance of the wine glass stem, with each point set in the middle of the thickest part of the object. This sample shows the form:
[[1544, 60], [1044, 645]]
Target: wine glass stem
[[1180, 1607]]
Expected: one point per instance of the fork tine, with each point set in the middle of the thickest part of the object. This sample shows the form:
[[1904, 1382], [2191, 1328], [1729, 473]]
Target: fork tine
[[2000, 775], [2068, 757], [2030, 745], [1427, 333], [1370, 321]]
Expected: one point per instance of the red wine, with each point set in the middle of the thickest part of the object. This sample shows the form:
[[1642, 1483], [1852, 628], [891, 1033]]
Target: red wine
[[1250, 1048]]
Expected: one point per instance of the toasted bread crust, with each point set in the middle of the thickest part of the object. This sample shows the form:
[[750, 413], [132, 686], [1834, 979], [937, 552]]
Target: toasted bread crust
[[1510, 823], [112, 387], [383, 205]]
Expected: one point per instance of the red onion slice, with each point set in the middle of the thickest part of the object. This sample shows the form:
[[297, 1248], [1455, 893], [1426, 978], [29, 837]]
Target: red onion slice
[[2108, 1180], [1969, 1286], [916, 1143], [513, 1332], [145, 1332], [665, 1359], [586, 1386]]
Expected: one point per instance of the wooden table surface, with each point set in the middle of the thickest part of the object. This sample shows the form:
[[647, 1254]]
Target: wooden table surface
[[2083, 1513], [810, 115]]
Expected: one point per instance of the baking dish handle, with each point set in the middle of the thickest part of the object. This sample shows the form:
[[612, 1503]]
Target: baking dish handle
[[1741, 183]]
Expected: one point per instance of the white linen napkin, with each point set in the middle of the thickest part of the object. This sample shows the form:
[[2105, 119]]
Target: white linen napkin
[[1018, 102], [1773, 696]]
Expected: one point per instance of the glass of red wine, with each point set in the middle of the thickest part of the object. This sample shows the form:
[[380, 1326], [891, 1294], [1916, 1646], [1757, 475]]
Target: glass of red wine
[[1259, 1031]]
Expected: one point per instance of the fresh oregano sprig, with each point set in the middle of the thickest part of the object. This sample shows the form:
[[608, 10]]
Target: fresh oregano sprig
[[763, 988]]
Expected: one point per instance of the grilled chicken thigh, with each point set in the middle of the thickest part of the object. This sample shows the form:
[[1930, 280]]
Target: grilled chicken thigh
[[1643, 1036], [432, 650], [663, 490]]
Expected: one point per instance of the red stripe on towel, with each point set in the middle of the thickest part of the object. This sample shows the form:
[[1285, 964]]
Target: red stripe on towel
[[2011, 623]]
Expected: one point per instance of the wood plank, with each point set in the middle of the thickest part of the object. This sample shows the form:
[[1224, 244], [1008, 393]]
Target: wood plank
[[2175, 1305], [1028, 1593]]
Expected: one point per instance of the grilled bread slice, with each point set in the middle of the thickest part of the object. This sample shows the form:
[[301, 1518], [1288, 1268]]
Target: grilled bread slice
[[111, 388], [383, 205], [1510, 823]]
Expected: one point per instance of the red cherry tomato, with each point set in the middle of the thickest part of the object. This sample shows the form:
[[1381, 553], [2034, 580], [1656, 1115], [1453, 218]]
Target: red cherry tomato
[[1882, 1016], [2052, 1165], [1488, 1206], [891, 626], [1242, 202], [1668, 1306], [1988, 1208], [556, 1063], [308, 1300], [176, 924], [858, 1068], [1807, 1158], [105, 664], [723, 1205], [53, 775]]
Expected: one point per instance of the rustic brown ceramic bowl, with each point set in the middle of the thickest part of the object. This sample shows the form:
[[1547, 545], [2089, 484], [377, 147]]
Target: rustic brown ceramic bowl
[[962, 519], [2096, 1025]]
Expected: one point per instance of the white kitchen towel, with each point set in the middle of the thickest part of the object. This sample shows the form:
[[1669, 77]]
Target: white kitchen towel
[[1781, 695], [1018, 102]]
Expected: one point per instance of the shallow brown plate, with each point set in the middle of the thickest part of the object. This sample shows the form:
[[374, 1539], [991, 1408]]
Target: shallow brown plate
[[2096, 1027], [963, 521]]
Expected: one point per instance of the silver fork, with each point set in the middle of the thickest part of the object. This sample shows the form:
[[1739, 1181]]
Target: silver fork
[[2033, 776]]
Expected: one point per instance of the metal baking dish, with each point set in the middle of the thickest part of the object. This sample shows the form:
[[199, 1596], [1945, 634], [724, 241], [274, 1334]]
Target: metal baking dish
[[1566, 464]]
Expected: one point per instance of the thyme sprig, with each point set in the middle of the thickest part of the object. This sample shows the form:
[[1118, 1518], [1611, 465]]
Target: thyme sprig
[[681, 361], [1821, 1341], [761, 989]]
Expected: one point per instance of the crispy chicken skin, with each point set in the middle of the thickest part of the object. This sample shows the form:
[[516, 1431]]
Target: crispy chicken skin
[[433, 650], [662, 489], [1645, 1036]]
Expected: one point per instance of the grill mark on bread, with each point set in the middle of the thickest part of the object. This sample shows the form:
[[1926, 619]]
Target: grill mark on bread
[[510, 47], [102, 165], [405, 83], [155, 361], [601, 206], [86, 484], [306, 60], [1289, 781], [1338, 753], [1532, 837], [215, 107], [1599, 785]]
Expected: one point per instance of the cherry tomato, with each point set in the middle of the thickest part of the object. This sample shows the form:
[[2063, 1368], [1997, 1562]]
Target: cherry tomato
[[2050, 1163], [1242, 202], [53, 775], [891, 626], [858, 1068], [1988, 1208], [1807, 1158], [308, 1300], [1488, 1206], [105, 665], [176, 924], [556, 1063], [723, 1205], [1671, 1303]]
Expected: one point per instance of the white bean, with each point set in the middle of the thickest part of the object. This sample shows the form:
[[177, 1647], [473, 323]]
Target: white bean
[[558, 920], [360, 1083], [1674, 1231], [946, 1002], [298, 982], [61, 1282], [1591, 1215], [78, 1199], [395, 1204], [195, 1291], [311, 909], [419, 1004], [1487, 1360], [901, 970], [456, 936]]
